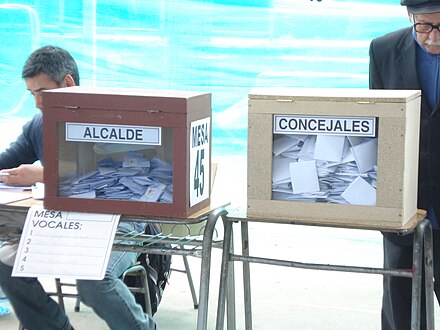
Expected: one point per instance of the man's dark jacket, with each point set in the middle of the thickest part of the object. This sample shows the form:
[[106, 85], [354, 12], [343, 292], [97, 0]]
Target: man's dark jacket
[[28, 147], [393, 66]]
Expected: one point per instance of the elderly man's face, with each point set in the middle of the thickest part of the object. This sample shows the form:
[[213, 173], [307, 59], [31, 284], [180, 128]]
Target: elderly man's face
[[431, 41]]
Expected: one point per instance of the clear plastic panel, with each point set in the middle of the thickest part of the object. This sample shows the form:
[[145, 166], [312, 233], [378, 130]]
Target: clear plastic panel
[[325, 167], [119, 171]]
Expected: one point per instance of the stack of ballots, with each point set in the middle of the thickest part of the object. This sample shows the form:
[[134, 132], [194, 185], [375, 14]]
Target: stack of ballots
[[324, 168], [135, 178]]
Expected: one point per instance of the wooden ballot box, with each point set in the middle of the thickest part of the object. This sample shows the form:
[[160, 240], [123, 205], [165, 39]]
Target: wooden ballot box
[[333, 156], [127, 151]]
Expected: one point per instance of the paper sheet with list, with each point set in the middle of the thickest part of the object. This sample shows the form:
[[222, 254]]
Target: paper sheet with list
[[65, 244]]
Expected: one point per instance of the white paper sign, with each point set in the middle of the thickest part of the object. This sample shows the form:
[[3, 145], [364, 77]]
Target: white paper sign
[[199, 163], [65, 244], [347, 126], [82, 132]]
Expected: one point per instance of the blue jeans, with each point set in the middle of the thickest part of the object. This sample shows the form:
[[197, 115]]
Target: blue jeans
[[109, 298]]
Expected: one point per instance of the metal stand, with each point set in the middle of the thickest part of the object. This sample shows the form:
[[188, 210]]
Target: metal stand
[[13, 218], [202, 317], [422, 260], [180, 248]]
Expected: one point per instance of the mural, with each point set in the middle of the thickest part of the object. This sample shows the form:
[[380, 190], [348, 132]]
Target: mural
[[220, 46]]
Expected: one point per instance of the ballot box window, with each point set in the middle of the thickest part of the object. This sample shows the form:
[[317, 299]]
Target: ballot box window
[[325, 159], [115, 162]]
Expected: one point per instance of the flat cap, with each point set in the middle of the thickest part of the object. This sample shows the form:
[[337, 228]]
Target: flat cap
[[421, 6]]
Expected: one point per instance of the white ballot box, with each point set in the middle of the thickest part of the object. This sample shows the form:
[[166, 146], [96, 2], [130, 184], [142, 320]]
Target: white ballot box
[[333, 156]]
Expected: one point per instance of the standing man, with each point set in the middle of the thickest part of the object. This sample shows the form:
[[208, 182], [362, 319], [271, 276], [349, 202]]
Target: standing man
[[410, 59], [48, 68]]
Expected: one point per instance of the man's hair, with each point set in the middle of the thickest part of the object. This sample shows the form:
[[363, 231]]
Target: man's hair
[[53, 61]]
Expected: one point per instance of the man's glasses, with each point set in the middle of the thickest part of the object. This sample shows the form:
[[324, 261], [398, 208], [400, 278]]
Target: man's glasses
[[426, 27]]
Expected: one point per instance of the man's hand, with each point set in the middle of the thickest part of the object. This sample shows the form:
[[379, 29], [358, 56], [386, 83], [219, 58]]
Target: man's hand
[[24, 175]]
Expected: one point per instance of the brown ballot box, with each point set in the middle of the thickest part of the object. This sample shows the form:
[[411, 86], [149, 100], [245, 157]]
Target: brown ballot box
[[127, 151], [335, 156]]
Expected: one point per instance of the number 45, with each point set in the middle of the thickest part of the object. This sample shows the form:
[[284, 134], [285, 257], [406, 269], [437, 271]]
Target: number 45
[[199, 173]]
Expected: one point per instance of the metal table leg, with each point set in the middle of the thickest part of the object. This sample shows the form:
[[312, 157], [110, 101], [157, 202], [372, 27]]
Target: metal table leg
[[230, 312], [224, 274], [246, 275], [429, 276], [416, 279], [422, 261], [202, 316], [190, 281]]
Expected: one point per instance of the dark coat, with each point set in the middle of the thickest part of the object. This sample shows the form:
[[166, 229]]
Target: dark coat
[[28, 147], [393, 66]]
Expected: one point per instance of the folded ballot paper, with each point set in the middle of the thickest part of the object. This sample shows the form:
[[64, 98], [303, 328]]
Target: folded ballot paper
[[324, 168], [135, 178]]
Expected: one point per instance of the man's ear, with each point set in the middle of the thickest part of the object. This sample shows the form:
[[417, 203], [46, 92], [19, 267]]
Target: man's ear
[[68, 81]]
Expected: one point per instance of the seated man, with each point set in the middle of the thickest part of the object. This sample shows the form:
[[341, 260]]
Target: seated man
[[48, 68]]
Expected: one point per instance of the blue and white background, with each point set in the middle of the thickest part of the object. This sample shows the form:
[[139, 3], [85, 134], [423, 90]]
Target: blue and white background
[[226, 47]]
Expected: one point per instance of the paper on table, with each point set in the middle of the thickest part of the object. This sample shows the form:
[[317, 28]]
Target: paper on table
[[304, 177], [7, 197], [360, 192], [6, 187], [53, 241]]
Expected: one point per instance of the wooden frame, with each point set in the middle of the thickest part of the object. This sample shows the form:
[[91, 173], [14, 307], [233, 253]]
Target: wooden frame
[[398, 115]]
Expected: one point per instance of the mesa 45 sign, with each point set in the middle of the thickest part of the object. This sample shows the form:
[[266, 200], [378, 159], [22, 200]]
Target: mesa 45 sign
[[199, 163]]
